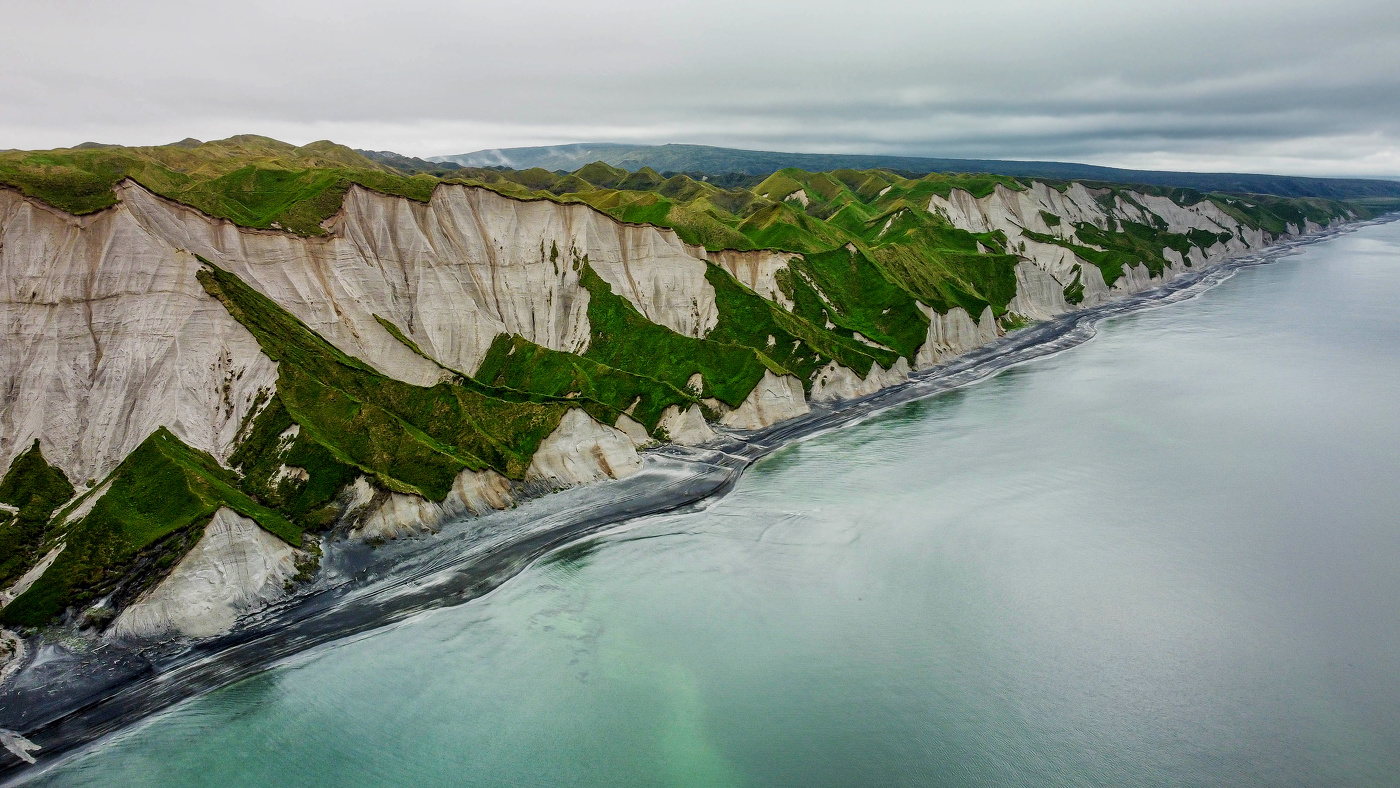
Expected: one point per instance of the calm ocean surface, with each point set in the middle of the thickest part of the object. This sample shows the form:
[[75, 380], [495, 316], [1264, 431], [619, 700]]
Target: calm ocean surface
[[1170, 556]]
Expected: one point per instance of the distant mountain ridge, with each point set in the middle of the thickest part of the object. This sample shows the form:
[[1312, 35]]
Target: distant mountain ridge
[[712, 160]]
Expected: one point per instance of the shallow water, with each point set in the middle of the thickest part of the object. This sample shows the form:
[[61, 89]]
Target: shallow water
[[1168, 556]]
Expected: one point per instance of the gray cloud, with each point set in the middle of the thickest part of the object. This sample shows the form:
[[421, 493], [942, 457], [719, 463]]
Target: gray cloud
[[1283, 86]]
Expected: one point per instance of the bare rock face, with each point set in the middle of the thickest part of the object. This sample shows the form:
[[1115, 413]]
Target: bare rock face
[[758, 270], [1049, 268], [686, 427], [108, 336], [1039, 295], [774, 399], [235, 568], [954, 334], [451, 274], [398, 515], [634, 431], [580, 450], [1135, 279], [835, 382]]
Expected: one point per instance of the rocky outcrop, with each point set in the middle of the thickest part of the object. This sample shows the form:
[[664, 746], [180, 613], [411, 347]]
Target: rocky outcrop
[[634, 431], [774, 399], [686, 427], [108, 336], [1039, 295], [17, 745], [580, 450], [758, 270], [953, 334], [396, 515], [236, 567], [833, 381]]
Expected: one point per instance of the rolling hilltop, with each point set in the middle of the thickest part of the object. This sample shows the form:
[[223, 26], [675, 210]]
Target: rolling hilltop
[[217, 353], [713, 161]]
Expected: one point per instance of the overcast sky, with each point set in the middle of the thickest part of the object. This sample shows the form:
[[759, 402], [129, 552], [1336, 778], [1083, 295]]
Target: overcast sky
[[1277, 86]]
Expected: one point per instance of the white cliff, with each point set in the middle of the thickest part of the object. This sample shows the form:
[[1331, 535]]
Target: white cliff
[[757, 270], [774, 399], [954, 334], [398, 515], [1049, 268], [833, 381], [580, 450], [236, 567], [686, 427], [451, 274], [108, 336]]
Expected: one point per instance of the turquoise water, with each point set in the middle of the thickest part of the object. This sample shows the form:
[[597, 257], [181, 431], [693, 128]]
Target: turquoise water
[[1168, 556]]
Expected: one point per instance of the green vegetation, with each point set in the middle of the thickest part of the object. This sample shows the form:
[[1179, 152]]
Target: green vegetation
[[624, 339], [305, 498], [409, 438], [1074, 291], [154, 508], [786, 339], [517, 363], [252, 181], [35, 489], [868, 258]]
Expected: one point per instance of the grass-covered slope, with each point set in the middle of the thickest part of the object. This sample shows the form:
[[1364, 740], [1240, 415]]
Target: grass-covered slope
[[517, 363], [409, 438], [623, 339], [151, 510], [35, 489], [252, 181], [865, 255], [706, 159]]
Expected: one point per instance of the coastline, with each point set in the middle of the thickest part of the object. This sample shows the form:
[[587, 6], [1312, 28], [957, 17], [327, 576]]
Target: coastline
[[63, 701]]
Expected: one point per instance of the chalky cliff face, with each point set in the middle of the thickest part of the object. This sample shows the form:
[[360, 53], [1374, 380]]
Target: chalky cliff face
[[423, 360]]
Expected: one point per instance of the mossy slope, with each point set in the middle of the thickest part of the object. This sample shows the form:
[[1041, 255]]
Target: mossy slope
[[35, 489], [152, 509]]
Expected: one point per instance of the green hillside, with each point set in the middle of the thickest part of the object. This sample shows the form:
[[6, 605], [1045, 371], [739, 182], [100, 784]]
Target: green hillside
[[867, 258], [250, 180]]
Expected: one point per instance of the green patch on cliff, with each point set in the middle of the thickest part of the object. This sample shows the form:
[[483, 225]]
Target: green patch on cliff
[[153, 509], [289, 471], [35, 489], [1074, 291], [410, 438], [794, 343], [518, 363], [624, 339], [842, 287]]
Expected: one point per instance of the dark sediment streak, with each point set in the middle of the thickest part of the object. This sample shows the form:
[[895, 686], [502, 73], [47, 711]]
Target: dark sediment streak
[[65, 699]]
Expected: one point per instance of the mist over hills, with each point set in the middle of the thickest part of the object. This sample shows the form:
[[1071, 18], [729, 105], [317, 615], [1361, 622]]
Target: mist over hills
[[713, 160]]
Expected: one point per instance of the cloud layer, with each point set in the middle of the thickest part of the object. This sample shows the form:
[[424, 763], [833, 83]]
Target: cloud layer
[[1283, 86]]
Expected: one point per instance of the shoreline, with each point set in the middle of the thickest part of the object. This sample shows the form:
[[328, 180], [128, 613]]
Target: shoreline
[[64, 700]]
